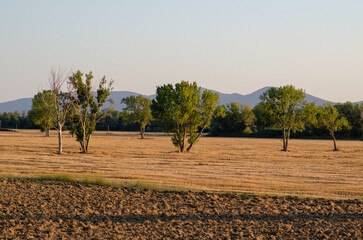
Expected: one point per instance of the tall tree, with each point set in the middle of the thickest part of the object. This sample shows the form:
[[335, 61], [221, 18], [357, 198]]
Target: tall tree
[[287, 108], [87, 105], [183, 110], [138, 111], [60, 104], [39, 113], [329, 118]]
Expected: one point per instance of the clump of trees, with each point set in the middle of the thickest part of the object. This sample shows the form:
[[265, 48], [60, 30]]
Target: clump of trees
[[78, 105], [184, 111]]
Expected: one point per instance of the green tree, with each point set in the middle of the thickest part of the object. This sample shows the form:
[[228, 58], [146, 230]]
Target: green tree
[[138, 111], [87, 105], [287, 109], [328, 117], [183, 110], [39, 113]]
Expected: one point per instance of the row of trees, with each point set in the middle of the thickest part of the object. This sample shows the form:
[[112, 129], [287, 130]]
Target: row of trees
[[242, 120], [287, 108], [186, 112]]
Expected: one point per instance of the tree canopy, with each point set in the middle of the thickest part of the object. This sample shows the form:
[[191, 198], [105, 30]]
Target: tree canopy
[[329, 118], [183, 110], [138, 111]]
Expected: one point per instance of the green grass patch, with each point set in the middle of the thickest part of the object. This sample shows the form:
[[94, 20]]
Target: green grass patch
[[56, 177], [98, 180], [93, 180]]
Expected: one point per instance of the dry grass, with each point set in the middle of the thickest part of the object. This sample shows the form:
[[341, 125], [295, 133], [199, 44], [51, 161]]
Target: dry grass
[[309, 169]]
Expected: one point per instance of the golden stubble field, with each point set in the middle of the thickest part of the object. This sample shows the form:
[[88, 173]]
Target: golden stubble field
[[309, 169]]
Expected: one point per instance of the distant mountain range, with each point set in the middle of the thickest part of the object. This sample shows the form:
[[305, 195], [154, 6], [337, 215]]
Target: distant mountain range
[[24, 104]]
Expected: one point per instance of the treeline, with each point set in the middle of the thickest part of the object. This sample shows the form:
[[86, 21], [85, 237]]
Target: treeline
[[16, 120], [185, 112], [109, 120], [238, 120], [112, 120], [241, 120]]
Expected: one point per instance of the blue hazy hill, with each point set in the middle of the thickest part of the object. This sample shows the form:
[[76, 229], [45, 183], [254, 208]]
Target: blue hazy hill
[[24, 104]]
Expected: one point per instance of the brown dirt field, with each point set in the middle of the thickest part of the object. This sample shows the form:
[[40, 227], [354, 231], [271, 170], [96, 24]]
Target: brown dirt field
[[55, 210], [309, 169]]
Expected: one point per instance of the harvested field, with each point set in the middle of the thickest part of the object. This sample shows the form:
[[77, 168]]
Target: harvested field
[[309, 169], [54, 210]]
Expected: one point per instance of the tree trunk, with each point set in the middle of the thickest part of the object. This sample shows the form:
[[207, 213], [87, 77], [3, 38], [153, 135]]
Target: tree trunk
[[182, 144], [284, 147], [287, 138], [83, 145], [178, 138], [182, 141], [142, 130], [46, 128], [89, 137], [60, 144], [199, 134], [335, 144], [184, 137]]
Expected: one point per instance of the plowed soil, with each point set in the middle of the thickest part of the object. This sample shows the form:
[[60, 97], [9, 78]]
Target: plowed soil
[[53, 210]]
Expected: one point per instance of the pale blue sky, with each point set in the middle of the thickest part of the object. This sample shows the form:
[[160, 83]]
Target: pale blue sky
[[229, 46]]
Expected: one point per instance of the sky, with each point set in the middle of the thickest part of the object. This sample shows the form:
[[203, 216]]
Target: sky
[[233, 46]]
